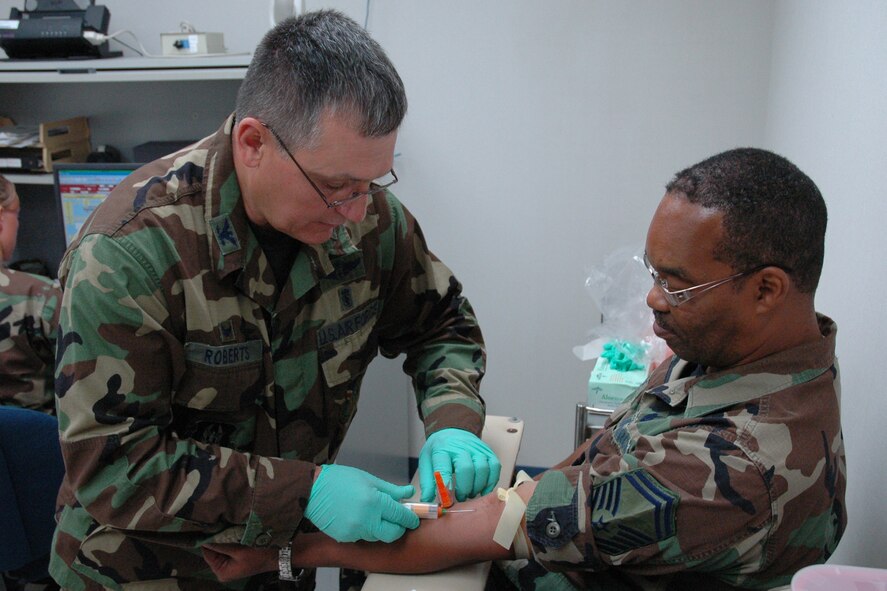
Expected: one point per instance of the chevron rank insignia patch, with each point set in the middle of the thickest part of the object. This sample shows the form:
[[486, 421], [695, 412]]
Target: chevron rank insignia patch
[[630, 511]]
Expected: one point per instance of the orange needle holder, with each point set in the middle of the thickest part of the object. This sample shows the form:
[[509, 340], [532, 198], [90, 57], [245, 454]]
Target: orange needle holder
[[446, 497]]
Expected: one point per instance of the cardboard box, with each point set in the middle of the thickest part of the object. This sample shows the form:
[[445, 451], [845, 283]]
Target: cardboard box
[[60, 141], [608, 388]]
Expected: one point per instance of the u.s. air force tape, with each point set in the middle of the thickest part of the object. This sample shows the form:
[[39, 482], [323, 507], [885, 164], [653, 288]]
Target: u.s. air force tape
[[506, 532]]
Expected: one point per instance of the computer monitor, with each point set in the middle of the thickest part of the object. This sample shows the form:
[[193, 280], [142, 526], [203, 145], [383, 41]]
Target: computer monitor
[[80, 188]]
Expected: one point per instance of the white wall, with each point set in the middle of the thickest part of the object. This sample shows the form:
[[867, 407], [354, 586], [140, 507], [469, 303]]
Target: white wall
[[540, 136], [828, 112]]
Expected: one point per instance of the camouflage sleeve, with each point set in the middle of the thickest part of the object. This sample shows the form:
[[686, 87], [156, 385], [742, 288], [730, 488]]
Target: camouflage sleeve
[[118, 358], [691, 500], [29, 309], [49, 317], [427, 318]]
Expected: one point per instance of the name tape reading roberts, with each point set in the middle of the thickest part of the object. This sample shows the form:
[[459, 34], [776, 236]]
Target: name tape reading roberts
[[224, 355]]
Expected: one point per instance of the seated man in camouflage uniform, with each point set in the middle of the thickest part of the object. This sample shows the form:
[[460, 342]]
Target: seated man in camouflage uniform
[[29, 315], [726, 469], [220, 310]]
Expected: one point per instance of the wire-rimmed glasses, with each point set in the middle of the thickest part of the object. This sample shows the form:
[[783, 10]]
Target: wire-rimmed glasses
[[376, 186], [682, 296]]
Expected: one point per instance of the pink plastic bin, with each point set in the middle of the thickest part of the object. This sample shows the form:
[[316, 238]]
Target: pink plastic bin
[[833, 577]]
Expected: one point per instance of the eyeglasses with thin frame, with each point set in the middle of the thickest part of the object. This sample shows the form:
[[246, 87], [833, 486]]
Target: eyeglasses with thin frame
[[378, 188], [682, 296]]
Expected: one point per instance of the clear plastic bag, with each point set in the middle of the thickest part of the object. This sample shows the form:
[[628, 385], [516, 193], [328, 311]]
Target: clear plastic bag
[[619, 286]]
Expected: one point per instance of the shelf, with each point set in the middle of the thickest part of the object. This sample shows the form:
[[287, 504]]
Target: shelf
[[23, 178], [124, 69]]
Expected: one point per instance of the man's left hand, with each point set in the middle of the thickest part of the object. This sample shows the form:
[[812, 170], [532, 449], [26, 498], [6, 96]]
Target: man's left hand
[[231, 562], [460, 453]]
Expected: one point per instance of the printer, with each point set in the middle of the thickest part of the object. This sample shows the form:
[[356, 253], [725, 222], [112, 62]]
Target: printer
[[55, 30]]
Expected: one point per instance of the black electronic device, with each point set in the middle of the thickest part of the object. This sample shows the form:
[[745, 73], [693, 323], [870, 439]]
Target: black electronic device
[[56, 29]]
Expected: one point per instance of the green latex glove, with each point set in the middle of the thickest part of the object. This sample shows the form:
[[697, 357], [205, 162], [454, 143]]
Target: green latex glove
[[348, 505], [457, 451]]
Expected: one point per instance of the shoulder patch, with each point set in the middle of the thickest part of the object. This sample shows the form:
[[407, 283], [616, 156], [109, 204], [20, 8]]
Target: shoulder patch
[[630, 511]]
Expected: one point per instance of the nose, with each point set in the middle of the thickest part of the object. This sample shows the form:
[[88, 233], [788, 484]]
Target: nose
[[656, 299], [354, 210]]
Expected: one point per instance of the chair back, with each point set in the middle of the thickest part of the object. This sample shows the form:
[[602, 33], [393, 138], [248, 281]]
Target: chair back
[[31, 471]]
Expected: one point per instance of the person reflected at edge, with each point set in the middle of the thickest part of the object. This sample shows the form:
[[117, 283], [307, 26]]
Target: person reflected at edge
[[220, 309], [726, 469], [29, 313]]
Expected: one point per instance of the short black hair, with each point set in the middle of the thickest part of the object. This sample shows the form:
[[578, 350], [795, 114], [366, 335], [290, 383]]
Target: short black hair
[[773, 213]]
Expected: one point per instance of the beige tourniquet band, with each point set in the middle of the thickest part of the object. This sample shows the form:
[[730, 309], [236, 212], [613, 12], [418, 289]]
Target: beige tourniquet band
[[509, 523]]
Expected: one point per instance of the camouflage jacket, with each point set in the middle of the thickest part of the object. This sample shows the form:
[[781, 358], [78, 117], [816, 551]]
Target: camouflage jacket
[[701, 481], [29, 315], [195, 398]]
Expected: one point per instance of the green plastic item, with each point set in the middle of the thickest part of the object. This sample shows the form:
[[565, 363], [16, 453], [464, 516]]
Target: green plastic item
[[623, 355]]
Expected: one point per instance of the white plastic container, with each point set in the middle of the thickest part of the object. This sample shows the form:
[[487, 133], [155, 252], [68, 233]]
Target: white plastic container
[[834, 577]]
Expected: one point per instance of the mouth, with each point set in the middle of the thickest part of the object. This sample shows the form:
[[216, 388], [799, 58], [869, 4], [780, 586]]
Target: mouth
[[660, 329]]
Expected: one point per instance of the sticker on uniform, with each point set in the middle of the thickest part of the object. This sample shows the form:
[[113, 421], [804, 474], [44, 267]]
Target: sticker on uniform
[[226, 331], [346, 298], [224, 355]]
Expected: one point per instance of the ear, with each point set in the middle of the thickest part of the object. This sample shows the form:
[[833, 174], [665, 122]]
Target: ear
[[249, 141], [772, 286]]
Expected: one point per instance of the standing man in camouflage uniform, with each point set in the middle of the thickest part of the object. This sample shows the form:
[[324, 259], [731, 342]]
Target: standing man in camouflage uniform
[[29, 315], [726, 469], [220, 310]]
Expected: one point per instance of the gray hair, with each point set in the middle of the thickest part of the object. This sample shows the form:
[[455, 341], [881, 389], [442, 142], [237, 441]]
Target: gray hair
[[316, 63]]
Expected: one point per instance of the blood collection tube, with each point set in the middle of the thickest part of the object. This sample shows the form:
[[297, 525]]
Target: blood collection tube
[[432, 510], [425, 510]]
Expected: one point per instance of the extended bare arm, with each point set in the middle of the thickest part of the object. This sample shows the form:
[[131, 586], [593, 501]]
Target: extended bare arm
[[454, 539]]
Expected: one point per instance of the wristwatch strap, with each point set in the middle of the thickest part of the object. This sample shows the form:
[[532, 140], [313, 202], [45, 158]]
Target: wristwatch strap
[[285, 564]]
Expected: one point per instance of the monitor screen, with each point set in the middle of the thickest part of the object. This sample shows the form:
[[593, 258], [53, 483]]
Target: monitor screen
[[80, 188]]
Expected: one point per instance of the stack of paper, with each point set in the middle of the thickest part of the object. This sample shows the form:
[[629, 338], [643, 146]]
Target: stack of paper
[[19, 136]]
